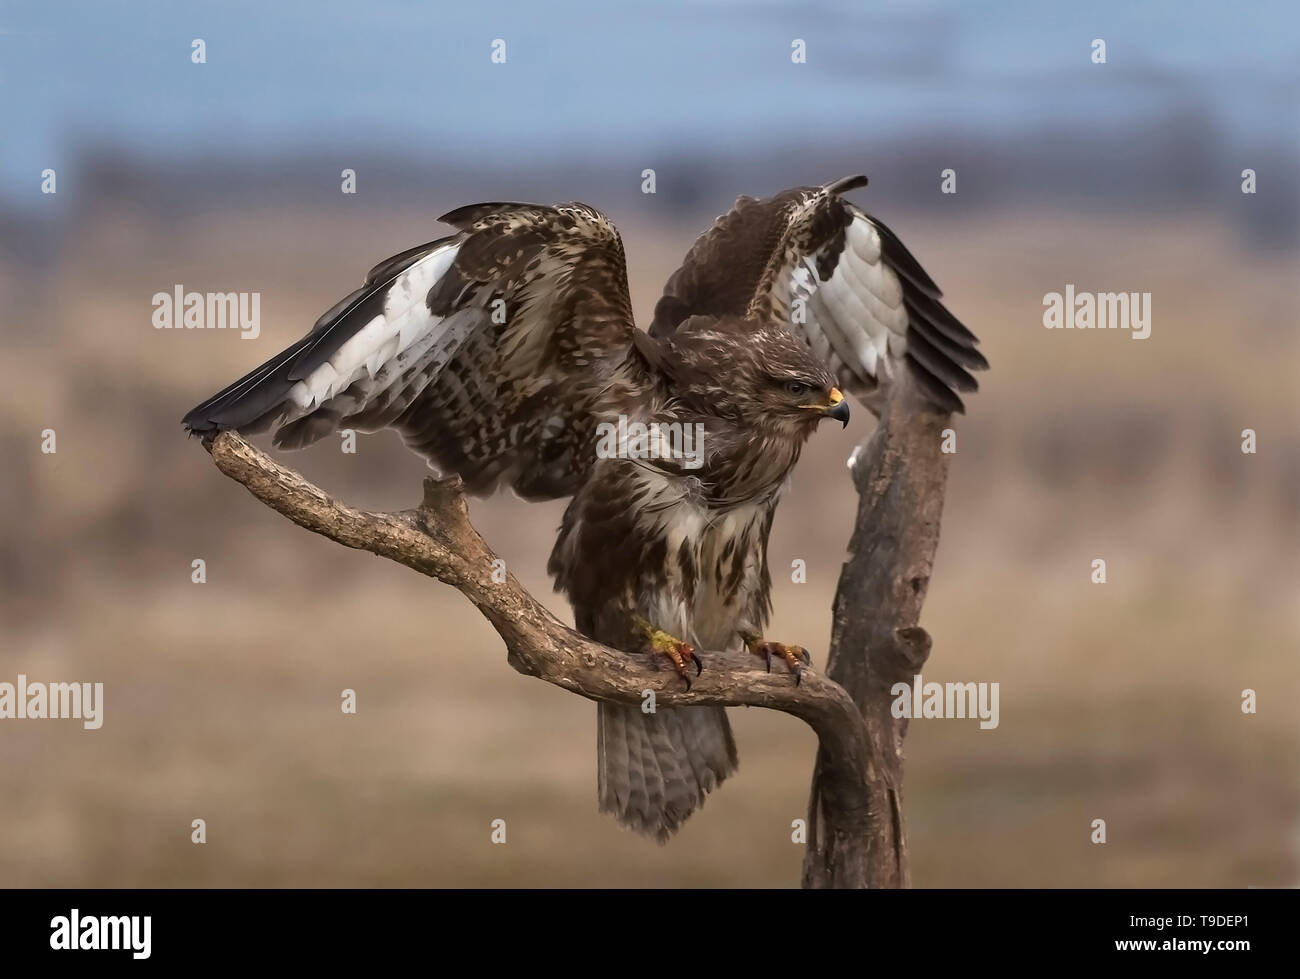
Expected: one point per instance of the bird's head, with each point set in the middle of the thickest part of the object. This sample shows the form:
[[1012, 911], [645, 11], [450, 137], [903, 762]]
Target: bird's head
[[757, 374]]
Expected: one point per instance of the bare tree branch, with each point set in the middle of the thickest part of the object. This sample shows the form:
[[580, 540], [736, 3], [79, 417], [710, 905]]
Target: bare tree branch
[[437, 539], [856, 836]]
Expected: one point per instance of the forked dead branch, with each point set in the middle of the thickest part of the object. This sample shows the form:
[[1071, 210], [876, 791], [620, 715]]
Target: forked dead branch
[[856, 836]]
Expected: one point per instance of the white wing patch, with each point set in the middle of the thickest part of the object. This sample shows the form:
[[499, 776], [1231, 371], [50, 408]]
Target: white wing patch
[[386, 349], [856, 318]]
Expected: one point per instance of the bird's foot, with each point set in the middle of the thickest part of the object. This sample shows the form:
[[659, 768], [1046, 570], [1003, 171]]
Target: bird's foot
[[794, 657], [681, 653]]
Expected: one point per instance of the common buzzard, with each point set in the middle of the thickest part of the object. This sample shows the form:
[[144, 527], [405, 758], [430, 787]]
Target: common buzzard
[[507, 353]]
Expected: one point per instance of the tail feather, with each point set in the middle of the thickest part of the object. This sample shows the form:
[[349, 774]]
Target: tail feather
[[654, 770]]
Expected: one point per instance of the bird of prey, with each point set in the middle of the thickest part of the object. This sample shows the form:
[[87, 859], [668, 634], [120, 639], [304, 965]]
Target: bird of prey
[[505, 352]]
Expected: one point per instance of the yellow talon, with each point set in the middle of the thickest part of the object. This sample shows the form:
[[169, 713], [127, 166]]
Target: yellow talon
[[795, 657], [669, 645]]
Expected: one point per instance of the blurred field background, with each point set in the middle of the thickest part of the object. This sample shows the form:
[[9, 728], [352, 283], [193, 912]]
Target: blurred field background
[[1118, 701]]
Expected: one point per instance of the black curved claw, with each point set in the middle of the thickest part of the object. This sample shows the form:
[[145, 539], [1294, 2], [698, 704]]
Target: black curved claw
[[687, 680], [767, 656], [798, 675], [699, 667], [805, 656]]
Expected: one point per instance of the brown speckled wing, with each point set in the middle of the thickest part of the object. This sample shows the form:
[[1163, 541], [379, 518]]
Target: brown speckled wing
[[486, 350]]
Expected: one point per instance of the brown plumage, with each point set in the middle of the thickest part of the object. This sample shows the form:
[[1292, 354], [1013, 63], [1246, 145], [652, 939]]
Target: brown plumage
[[507, 353], [867, 303]]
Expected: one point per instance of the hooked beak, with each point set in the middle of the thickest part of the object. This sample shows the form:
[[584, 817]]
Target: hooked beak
[[838, 408]]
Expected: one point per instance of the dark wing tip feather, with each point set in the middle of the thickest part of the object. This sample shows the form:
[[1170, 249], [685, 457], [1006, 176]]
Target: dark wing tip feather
[[922, 310], [940, 364], [845, 184], [935, 390], [249, 400], [941, 350], [903, 261], [963, 355]]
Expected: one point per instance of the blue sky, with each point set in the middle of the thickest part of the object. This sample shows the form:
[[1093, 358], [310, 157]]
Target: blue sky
[[593, 78]]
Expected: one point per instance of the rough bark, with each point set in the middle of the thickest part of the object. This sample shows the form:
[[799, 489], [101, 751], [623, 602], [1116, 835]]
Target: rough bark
[[900, 474]]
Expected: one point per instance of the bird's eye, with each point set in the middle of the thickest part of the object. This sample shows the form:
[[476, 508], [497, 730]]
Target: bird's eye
[[796, 389]]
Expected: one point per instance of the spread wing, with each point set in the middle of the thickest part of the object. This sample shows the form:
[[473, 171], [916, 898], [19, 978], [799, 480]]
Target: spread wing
[[486, 350], [840, 279]]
